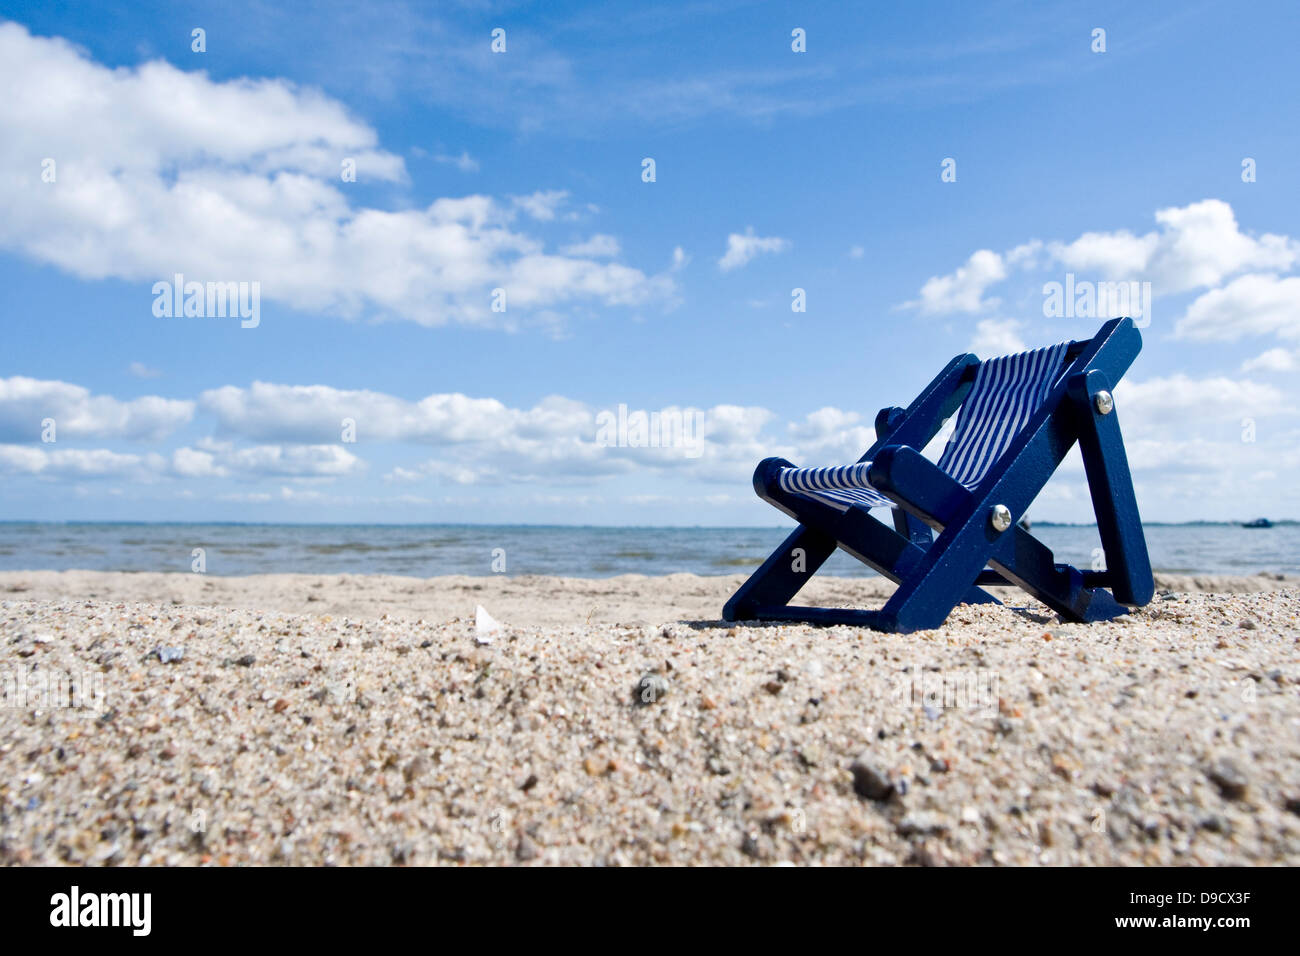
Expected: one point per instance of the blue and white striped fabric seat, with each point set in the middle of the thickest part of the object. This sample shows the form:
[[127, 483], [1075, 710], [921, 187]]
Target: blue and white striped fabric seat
[[840, 485], [1006, 392]]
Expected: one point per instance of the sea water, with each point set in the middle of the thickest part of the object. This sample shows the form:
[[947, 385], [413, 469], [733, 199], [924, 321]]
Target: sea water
[[428, 550]]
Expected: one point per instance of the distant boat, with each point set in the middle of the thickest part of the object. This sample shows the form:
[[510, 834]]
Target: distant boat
[[1258, 523]]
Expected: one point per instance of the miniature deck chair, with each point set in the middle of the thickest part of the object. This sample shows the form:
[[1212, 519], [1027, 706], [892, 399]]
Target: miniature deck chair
[[1019, 416]]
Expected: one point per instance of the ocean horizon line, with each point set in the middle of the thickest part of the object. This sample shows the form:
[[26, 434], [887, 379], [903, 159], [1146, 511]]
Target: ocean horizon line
[[1198, 522]]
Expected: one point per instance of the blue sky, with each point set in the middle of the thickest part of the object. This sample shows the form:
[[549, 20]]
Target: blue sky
[[522, 170]]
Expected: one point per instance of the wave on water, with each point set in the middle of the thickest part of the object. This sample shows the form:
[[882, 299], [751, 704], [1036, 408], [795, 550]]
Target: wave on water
[[431, 550]]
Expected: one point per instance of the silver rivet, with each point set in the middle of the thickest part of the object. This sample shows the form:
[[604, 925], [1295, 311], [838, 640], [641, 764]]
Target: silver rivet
[[1000, 518], [1104, 402]]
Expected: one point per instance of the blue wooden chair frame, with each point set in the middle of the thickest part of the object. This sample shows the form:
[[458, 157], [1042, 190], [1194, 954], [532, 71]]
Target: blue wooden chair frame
[[970, 551]]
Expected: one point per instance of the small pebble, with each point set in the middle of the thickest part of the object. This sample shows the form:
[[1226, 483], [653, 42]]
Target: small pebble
[[869, 781], [1228, 777]]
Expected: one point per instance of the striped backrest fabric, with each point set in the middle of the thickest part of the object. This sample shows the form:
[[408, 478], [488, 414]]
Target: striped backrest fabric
[[1006, 392]]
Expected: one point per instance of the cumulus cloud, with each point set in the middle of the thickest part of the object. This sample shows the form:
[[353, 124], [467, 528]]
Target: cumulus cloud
[[542, 205], [26, 402], [1273, 360], [1196, 246], [1200, 446], [1180, 403], [1201, 244], [158, 171], [442, 471], [994, 337], [598, 246], [962, 290], [1112, 254], [77, 463], [214, 459], [211, 461], [482, 439], [1185, 457], [313, 413], [464, 162], [742, 249], [140, 370], [827, 436], [273, 436], [1178, 426], [1249, 306]]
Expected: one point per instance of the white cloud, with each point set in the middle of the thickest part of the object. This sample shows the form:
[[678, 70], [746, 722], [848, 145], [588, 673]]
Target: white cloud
[[1249, 305], [194, 463], [1273, 360], [444, 472], [1194, 246], [598, 246], [247, 497], [962, 290], [542, 205], [140, 370], [1201, 245], [828, 436], [1180, 457], [314, 413], [742, 249], [77, 463], [824, 422], [1178, 403], [278, 438], [213, 460], [482, 439], [159, 171], [994, 337], [1025, 255], [220, 459], [464, 162], [26, 402], [1118, 254]]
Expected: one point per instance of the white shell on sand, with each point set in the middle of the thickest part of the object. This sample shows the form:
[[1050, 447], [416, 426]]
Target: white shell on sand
[[485, 625]]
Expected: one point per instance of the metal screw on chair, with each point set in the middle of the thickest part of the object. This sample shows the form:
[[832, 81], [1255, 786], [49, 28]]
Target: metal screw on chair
[[1105, 402], [1000, 518]]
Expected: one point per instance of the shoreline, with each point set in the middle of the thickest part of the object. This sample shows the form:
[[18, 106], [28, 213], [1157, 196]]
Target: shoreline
[[535, 599]]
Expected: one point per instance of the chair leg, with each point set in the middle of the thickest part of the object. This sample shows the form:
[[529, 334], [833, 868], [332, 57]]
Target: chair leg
[[969, 542], [1111, 485], [780, 577], [924, 600], [1028, 563], [926, 597], [790, 566]]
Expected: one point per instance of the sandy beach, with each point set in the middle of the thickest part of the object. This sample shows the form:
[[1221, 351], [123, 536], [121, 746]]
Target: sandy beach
[[296, 719]]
